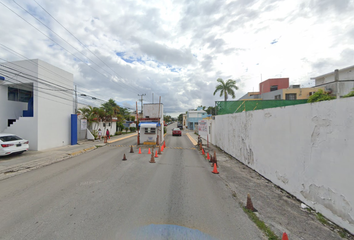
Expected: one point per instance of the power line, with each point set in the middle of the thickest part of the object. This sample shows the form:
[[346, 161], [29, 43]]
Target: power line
[[80, 42], [131, 88]]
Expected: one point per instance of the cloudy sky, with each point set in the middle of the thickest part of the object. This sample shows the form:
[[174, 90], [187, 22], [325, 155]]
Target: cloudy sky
[[177, 49]]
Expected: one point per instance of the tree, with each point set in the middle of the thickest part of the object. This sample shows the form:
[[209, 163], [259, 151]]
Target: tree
[[319, 96], [180, 118], [210, 110], [167, 118], [226, 88]]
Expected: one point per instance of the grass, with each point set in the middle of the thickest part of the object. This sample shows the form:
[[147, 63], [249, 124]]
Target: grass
[[321, 218], [261, 225]]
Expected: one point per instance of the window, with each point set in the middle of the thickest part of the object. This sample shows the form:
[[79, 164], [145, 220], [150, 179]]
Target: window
[[150, 130], [277, 97], [273, 88], [19, 95], [104, 125], [12, 94], [290, 96]]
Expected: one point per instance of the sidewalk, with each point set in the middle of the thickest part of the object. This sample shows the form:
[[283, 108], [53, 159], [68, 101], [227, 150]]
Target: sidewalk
[[279, 210], [17, 164]]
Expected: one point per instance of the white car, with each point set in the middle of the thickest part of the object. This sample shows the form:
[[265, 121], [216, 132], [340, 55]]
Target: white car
[[10, 143]]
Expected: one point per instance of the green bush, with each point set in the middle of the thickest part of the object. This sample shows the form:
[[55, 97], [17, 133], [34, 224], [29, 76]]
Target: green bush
[[351, 94], [126, 129], [133, 129], [164, 129], [95, 133], [319, 96], [118, 133]]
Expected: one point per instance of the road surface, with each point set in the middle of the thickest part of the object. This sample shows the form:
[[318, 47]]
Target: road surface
[[96, 195]]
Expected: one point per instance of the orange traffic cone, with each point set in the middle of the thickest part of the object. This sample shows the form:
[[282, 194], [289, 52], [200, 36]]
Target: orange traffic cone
[[131, 149], [124, 158], [162, 148], [208, 156], [139, 150], [203, 151], [149, 152], [215, 171], [156, 154], [285, 237]]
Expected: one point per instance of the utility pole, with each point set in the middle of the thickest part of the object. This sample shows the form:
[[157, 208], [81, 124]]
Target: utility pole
[[141, 100]]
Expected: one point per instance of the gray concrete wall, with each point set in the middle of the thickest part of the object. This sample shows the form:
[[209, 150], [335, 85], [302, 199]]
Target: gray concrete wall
[[305, 149]]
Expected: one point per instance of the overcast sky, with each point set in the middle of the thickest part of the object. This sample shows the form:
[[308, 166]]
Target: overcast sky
[[177, 49]]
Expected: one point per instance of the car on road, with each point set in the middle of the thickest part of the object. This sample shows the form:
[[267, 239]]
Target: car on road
[[180, 126], [176, 132], [10, 144]]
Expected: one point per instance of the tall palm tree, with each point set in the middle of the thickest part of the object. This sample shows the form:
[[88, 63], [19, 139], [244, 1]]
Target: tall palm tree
[[226, 88]]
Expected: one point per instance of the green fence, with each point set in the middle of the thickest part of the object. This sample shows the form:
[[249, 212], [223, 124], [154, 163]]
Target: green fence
[[228, 107]]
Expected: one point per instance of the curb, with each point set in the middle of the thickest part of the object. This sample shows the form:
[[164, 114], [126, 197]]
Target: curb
[[116, 140], [82, 151]]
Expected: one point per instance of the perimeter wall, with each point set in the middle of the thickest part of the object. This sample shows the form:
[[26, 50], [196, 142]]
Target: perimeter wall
[[306, 149]]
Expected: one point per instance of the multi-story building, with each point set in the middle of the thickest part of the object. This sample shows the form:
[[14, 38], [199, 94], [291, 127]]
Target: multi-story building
[[193, 116], [36, 103], [279, 89], [339, 82]]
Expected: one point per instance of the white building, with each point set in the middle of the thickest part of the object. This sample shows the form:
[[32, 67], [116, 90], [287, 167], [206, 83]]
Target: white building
[[151, 126], [342, 79], [36, 103]]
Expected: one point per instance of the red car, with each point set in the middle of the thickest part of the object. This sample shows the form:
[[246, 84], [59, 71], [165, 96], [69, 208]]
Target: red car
[[176, 132]]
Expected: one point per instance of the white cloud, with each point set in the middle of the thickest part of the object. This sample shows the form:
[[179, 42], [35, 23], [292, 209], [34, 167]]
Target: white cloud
[[178, 49]]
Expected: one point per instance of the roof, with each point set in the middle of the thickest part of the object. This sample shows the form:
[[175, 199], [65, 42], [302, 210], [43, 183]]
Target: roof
[[330, 73], [149, 124]]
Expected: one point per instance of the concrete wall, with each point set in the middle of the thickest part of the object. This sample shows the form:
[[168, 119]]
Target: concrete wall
[[305, 149], [54, 107], [22, 129]]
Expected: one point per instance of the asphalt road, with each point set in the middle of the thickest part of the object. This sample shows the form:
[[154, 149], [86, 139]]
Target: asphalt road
[[96, 195]]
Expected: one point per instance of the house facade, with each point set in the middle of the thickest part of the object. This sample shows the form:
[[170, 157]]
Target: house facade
[[279, 89], [339, 82], [151, 125], [193, 116], [184, 120], [36, 103]]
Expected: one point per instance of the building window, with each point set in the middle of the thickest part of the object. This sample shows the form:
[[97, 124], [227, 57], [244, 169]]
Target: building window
[[277, 97], [273, 88], [104, 125], [19, 95], [290, 96], [150, 130]]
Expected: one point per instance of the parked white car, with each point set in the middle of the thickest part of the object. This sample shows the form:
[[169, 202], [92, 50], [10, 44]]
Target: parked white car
[[10, 143]]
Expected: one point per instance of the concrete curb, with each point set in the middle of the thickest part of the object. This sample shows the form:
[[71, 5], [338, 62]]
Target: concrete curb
[[82, 151]]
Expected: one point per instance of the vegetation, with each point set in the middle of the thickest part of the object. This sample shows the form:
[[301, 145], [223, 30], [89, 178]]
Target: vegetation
[[351, 94], [106, 113], [261, 225], [180, 118], [133, 129], [319, 96], [226, 88], [167, 118]]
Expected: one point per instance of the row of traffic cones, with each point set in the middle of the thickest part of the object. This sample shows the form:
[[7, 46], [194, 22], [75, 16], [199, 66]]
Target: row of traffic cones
[[152, 160], [249, 204]]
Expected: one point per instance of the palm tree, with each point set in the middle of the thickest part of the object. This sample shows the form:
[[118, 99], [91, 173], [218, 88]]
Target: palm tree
[[226, 88]]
